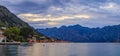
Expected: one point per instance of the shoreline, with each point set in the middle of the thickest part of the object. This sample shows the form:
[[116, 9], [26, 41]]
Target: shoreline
[[10, 43]]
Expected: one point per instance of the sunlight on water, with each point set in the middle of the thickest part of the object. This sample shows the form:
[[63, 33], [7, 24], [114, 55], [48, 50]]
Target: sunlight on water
[[62, 49]]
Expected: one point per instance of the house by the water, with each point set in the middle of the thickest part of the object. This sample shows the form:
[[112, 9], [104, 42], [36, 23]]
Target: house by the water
[[44, 39], [2, 37]]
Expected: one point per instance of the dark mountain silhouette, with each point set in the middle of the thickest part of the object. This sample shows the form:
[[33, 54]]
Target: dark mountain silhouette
[[78, 33], [8, 19]]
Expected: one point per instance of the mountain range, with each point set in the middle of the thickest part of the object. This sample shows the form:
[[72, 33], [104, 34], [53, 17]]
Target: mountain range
[[77, 33]]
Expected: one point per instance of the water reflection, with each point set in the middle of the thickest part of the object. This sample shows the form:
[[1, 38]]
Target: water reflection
[[62, 49], [11, 50]]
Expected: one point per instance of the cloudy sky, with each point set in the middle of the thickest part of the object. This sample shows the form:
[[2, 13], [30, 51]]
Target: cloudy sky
[[55, 13]]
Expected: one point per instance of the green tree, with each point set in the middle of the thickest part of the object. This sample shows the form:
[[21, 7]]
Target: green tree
[[26, 32], [12, 33], [7, 32], [19, 38], [15, 30]]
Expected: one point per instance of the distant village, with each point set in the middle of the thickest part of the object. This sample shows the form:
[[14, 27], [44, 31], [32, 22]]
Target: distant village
[[31, 39]]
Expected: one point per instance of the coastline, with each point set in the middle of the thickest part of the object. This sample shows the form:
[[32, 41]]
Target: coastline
[[10, 43]]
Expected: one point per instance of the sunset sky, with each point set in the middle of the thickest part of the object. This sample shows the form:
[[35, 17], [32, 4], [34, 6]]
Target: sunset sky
[[55, 13]]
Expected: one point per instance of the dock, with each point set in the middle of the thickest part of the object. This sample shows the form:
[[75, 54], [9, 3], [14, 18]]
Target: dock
[[10, 43]]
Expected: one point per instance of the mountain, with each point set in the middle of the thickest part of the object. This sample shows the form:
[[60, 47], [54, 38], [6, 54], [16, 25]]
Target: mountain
[[77, 33], [9, 19]]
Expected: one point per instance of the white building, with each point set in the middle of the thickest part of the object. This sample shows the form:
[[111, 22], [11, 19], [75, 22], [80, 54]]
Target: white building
[[2, 37]]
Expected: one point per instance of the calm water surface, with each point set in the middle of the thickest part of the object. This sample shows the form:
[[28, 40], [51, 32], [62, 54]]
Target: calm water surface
[[62, 49]]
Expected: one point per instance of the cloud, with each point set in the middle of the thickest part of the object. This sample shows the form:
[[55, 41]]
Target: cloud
[[110, 6], [38, 17], [51, 19], [54, 13]]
